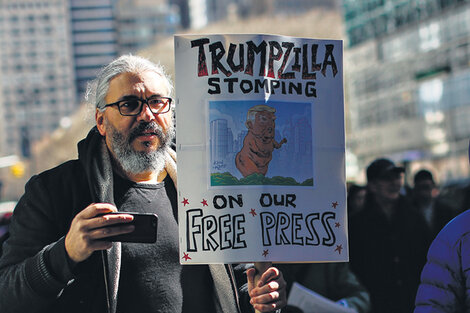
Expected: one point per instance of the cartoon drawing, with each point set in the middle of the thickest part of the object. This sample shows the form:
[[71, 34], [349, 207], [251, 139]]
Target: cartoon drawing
[[259, 143]]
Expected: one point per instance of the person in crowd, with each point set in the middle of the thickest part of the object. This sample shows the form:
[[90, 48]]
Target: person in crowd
[[356, 199], [58, 258], [388, 241], [334, 281], [424, 194]]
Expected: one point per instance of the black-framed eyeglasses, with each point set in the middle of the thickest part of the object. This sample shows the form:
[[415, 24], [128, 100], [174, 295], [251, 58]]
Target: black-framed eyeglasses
[[133, 106]]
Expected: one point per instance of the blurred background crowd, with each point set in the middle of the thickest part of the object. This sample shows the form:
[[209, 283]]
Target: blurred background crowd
[[407, 96]]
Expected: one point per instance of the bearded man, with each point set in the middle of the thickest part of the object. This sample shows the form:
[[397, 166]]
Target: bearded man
[[59, 258]]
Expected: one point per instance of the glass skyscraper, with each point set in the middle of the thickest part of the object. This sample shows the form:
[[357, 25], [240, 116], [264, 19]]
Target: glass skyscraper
[[408, 74]]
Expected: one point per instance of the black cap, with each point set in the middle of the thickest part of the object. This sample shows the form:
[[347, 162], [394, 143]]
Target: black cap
[[382, 168], [423, 175]]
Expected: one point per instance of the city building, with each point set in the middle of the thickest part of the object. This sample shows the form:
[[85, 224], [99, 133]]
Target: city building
[[141, 23], [221, 142], [298, 6], [51, 49], [37, 78], [94, 38], [408, 82]]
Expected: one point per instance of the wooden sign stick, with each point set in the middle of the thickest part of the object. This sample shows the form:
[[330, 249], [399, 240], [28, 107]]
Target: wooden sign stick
[[261, 267]]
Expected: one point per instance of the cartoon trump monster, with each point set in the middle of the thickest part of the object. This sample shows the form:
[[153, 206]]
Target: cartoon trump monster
[[259, 143]]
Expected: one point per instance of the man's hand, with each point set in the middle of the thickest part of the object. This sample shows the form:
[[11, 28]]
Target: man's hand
[[269, 293], [88, 229]]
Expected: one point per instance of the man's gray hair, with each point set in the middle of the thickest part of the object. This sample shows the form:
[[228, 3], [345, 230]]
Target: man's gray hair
[[98, 88]]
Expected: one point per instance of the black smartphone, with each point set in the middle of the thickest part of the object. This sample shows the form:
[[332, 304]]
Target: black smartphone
[[145, 230]]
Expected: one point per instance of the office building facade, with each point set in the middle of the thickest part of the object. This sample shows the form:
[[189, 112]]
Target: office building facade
[[141, 24], [94, 38], [408, 74], [37, 86], [51, 49]]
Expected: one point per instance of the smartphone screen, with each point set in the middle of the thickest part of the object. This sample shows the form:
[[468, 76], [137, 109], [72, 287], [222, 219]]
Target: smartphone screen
[[145, 228]]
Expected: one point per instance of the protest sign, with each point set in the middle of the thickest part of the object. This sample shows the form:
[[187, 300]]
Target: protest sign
[[260, 145]]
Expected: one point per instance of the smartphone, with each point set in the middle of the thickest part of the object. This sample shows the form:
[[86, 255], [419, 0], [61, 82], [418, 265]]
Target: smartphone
[[145, 230]]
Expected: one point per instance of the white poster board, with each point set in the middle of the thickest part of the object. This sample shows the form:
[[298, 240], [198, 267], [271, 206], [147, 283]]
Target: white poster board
[[261, 146]]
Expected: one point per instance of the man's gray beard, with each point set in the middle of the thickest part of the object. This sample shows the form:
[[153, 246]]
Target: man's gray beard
[[136, 162]]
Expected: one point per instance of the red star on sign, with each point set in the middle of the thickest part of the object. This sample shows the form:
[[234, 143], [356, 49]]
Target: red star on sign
[[337, 225], [334, 204], [185, 201], [265, 253], [339, 248], [186, 256], [252, 212], [204, 202]]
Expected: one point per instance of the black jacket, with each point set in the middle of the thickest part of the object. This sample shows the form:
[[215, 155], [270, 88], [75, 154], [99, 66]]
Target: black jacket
[[388, 255], [35, 275]]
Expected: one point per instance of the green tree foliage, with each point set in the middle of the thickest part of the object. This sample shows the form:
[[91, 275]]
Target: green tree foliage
[[223, 179], [253, 179], [226, 179]]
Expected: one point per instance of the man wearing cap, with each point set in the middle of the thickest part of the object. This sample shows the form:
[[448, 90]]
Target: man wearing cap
[[388, 241]]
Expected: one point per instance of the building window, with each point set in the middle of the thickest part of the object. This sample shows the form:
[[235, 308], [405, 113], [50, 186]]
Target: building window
[[429, 37]]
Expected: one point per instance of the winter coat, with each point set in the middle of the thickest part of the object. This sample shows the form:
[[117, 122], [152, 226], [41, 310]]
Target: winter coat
[[445, 280]]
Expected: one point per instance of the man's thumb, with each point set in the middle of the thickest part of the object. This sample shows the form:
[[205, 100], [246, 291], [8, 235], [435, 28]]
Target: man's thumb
[[250, 275]]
